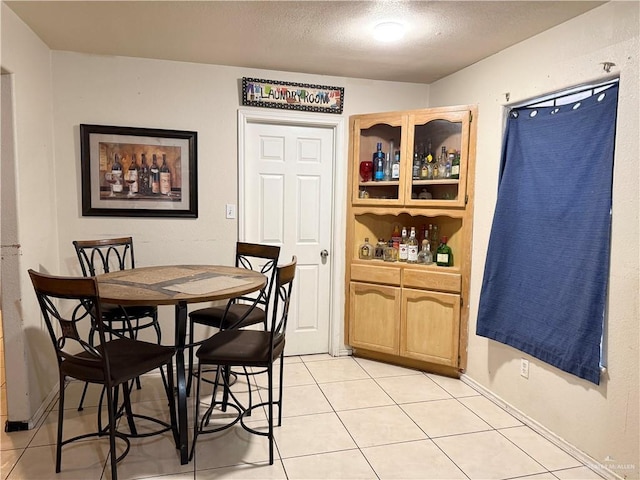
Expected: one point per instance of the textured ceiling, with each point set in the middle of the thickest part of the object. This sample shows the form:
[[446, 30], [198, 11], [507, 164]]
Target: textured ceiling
[[318, 37]]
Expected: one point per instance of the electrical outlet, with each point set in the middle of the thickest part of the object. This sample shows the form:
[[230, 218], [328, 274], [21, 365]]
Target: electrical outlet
[[524, 368], [230, 210]]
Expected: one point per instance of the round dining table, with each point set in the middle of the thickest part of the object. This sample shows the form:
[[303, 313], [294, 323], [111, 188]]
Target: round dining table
[[178, 285]]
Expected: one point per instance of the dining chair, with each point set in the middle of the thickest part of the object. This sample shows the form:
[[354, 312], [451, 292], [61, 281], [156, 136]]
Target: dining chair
[[104, 256], [248, 348], [242, 311], [72, 311]]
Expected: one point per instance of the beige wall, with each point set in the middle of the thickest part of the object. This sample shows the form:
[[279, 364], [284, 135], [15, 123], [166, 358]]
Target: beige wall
[[28, 217], [600, 420]]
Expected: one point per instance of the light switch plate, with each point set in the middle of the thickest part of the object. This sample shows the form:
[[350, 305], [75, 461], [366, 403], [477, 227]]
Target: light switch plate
[[230, 210]]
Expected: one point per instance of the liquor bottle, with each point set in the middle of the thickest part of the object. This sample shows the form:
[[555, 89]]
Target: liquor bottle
[[416, 167], [154, 176], [412, 247], [390, 253], [378, 163], [116, 174], [132, 176], [402, 251], [442, 161], [387, 167], [435, 238], [144, 176], [425, 257], [429, 155], [165, 177], [396, 237], [365, 252], [455, 165], [378, 252], [395, 167], [444, 255], [449, 164]]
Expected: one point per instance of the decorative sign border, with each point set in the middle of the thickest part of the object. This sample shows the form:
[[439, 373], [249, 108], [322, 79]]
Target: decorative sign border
[[257, 92]]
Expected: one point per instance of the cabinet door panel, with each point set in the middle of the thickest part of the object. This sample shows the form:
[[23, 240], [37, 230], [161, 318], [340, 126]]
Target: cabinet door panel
[[373, 322], [430, 326]]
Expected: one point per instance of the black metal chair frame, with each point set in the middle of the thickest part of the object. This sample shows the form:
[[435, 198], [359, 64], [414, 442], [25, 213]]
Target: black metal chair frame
[[271, 346], [102, 364], [103, 256], [247, 256]]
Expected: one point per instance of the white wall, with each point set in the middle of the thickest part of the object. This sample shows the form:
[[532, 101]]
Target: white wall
[[600, 420], [28, 218]]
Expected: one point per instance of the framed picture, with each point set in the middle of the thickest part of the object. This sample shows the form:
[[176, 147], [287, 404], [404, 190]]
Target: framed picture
[[138, 172], [292, 96]]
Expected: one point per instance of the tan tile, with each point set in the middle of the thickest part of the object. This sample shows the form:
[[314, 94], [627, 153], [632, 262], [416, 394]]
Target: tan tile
[[490, 412], [541, 449], [312, 434], [354, 394], [578, 473], [294, 374], [380, 425], [75, 423], [301, 400], [380, 369], [151, 456], [317, 357], [409, 389], [234, 446], [80, 461], [8, 458], [454, 386], [412, 460], [486, 455], [337, 370], [14, 440], [257, 471], [349, 464], [444, 417]]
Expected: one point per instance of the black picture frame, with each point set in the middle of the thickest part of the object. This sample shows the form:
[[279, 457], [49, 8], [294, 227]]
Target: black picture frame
[[105, 192]]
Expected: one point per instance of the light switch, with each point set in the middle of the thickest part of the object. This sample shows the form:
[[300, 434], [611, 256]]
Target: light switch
[[230, 209]]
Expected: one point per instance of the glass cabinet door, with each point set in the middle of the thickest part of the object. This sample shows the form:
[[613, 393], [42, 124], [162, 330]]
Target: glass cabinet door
[[439, 146], [378, 151]]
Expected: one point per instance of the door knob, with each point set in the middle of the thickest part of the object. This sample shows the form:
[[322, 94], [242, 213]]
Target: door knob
[[324, 254]]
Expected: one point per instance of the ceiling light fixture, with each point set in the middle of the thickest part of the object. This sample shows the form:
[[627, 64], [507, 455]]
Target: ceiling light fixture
[[388, 31]]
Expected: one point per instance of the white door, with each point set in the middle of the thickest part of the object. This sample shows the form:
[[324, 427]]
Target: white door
[[287, 200]]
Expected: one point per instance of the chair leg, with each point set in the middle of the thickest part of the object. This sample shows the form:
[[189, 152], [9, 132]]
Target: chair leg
[[127, 407], [280, 389], [195, 415], [112, 433], [172, 403], [84, 392], [60, 420], [270, 409], [190, 369]]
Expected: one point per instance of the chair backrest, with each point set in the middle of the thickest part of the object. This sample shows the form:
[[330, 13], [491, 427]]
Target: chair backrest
[[282, 299], [105, 255], [261, 258], [70, 306]]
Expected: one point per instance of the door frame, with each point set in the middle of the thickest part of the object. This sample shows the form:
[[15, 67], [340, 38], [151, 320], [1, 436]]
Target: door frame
[[338, 205]]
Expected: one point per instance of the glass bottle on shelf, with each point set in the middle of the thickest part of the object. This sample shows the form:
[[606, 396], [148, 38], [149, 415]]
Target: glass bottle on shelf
[[378, 252], [412, 247], [390, 253], [447, 165], [396, 237], [425, 257], [442, 162], [402, 251], [455, 166], [444, 255], [387, 167], [416, 167], [395, 167], [378, 163], [434, 239], [365, 252]]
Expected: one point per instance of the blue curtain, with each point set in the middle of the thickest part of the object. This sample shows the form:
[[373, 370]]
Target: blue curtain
[[546, 274]]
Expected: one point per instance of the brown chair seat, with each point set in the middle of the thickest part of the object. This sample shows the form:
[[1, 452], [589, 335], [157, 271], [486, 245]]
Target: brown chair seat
[[238, 315], [251, 348]]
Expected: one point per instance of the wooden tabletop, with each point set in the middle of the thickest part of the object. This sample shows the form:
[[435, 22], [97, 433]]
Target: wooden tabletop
[[170, 284]]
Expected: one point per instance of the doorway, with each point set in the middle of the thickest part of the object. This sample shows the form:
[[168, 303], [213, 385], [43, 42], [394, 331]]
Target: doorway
[[291, 195]]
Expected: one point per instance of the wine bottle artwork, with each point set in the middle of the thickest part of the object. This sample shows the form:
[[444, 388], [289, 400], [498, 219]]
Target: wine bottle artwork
[[165, 177]]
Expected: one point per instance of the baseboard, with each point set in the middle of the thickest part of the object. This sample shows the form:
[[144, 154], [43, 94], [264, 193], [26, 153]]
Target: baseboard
[[36, 418], [559, 442]]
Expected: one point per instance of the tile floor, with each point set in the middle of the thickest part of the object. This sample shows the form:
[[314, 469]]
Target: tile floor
[[344, 418]]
